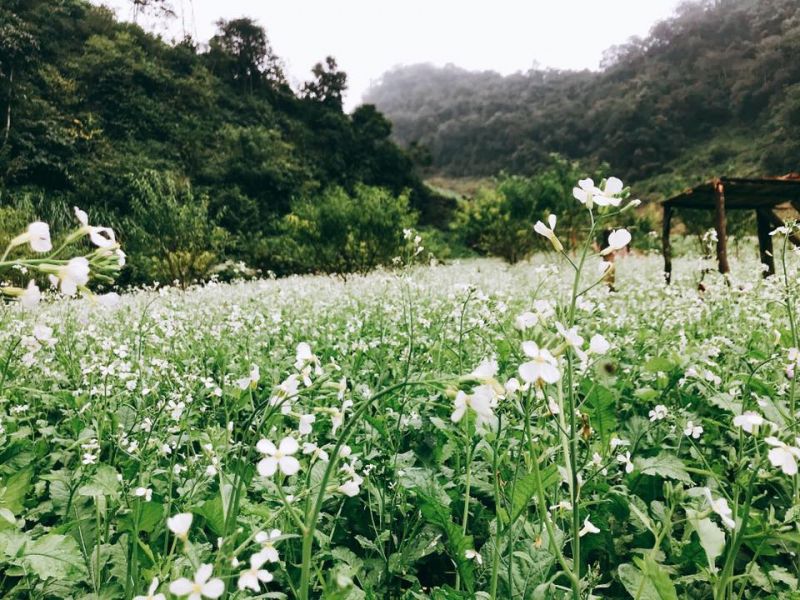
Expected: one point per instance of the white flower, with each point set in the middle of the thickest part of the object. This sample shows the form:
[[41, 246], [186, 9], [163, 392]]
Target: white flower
[[720, 506], [693, 431], [473, 555], [549, 232], [31, 296], [303, 355], [612, 187], [109, 300], [81, 215], [782, 455], [598, 344], [352, 487], [151, 593], [180, 524], [255, 575], [487, 369], [102, 237], [480, 401], [625, 459], [306, 423], [251, 380], [278, 458], [570, 336], [615, 442], [201, 587], [267, 540], [512, 386], [543, 367], [617, 240], [748, 421], [589, 195], [37, 235], [143, 492], [588, 527], [526, 320], [658, 413], [585, 193], [73, 275]]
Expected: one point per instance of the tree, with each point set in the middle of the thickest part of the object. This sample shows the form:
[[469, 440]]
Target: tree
[[329, 84], [241, 51], [17, 47]]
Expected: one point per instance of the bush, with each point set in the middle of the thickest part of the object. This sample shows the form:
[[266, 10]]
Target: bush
[[499, 220], [343, 232], [170, 235]]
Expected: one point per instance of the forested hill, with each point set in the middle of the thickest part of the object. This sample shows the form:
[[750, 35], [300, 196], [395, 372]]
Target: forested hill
[[716, 87], [88, 104]]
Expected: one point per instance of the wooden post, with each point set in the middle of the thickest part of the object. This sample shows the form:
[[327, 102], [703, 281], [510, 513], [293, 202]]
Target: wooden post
[[765, 241], [666, 249], [721, 227]]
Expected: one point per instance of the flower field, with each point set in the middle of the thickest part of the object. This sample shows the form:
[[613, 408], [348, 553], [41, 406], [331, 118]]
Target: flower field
[[463, 431]]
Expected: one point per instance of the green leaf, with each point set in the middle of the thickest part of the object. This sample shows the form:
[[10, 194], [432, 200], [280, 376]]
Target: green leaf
[[659, 577], [457, 542], [664, 465], [105, 482], [212, 511], [53, 556], [659, 364], [14, 489], [601, 407], [712, 538], [525, 489], [648, 582]]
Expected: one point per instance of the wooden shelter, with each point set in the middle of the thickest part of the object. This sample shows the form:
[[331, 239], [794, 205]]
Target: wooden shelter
[[770, 197]]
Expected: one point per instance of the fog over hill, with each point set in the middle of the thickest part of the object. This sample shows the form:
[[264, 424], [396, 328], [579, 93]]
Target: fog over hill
[[716, 87]]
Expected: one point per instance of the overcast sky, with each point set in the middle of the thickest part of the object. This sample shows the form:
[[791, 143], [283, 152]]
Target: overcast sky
[[368, 37]]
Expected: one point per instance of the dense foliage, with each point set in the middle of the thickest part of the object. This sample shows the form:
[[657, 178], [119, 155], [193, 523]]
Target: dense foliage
[[716, 89], [91, 108]]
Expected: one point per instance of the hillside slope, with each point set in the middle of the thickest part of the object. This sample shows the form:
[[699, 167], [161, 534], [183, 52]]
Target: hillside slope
[[717, 87]]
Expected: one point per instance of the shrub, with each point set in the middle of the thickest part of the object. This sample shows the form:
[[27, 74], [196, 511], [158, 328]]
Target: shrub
[[171, 236], [499, 220], [343, 232]]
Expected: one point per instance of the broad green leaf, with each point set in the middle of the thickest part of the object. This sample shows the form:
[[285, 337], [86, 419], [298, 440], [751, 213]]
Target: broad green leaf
[[648, 582], [53, 556], [105, 482], [457, 542], [212, 511], [659, 577], [601, 407], [13, 490], [525, 489], [664, 465]]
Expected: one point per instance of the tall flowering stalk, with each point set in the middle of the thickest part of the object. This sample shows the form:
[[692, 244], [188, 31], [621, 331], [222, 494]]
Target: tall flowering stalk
[[542, 371]]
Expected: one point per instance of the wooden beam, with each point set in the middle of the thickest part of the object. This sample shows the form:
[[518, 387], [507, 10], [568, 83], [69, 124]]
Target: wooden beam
[[666, 249], [721, 226], [765, 241]]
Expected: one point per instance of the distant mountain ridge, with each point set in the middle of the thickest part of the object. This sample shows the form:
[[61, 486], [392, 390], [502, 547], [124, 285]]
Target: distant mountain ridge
[[715, 88]]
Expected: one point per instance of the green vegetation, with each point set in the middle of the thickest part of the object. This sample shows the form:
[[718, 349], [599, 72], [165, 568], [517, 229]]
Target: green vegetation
[[99, 114], [714, 90]]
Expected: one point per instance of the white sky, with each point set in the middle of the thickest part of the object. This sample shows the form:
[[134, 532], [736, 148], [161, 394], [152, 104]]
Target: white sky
[[368, 37]]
